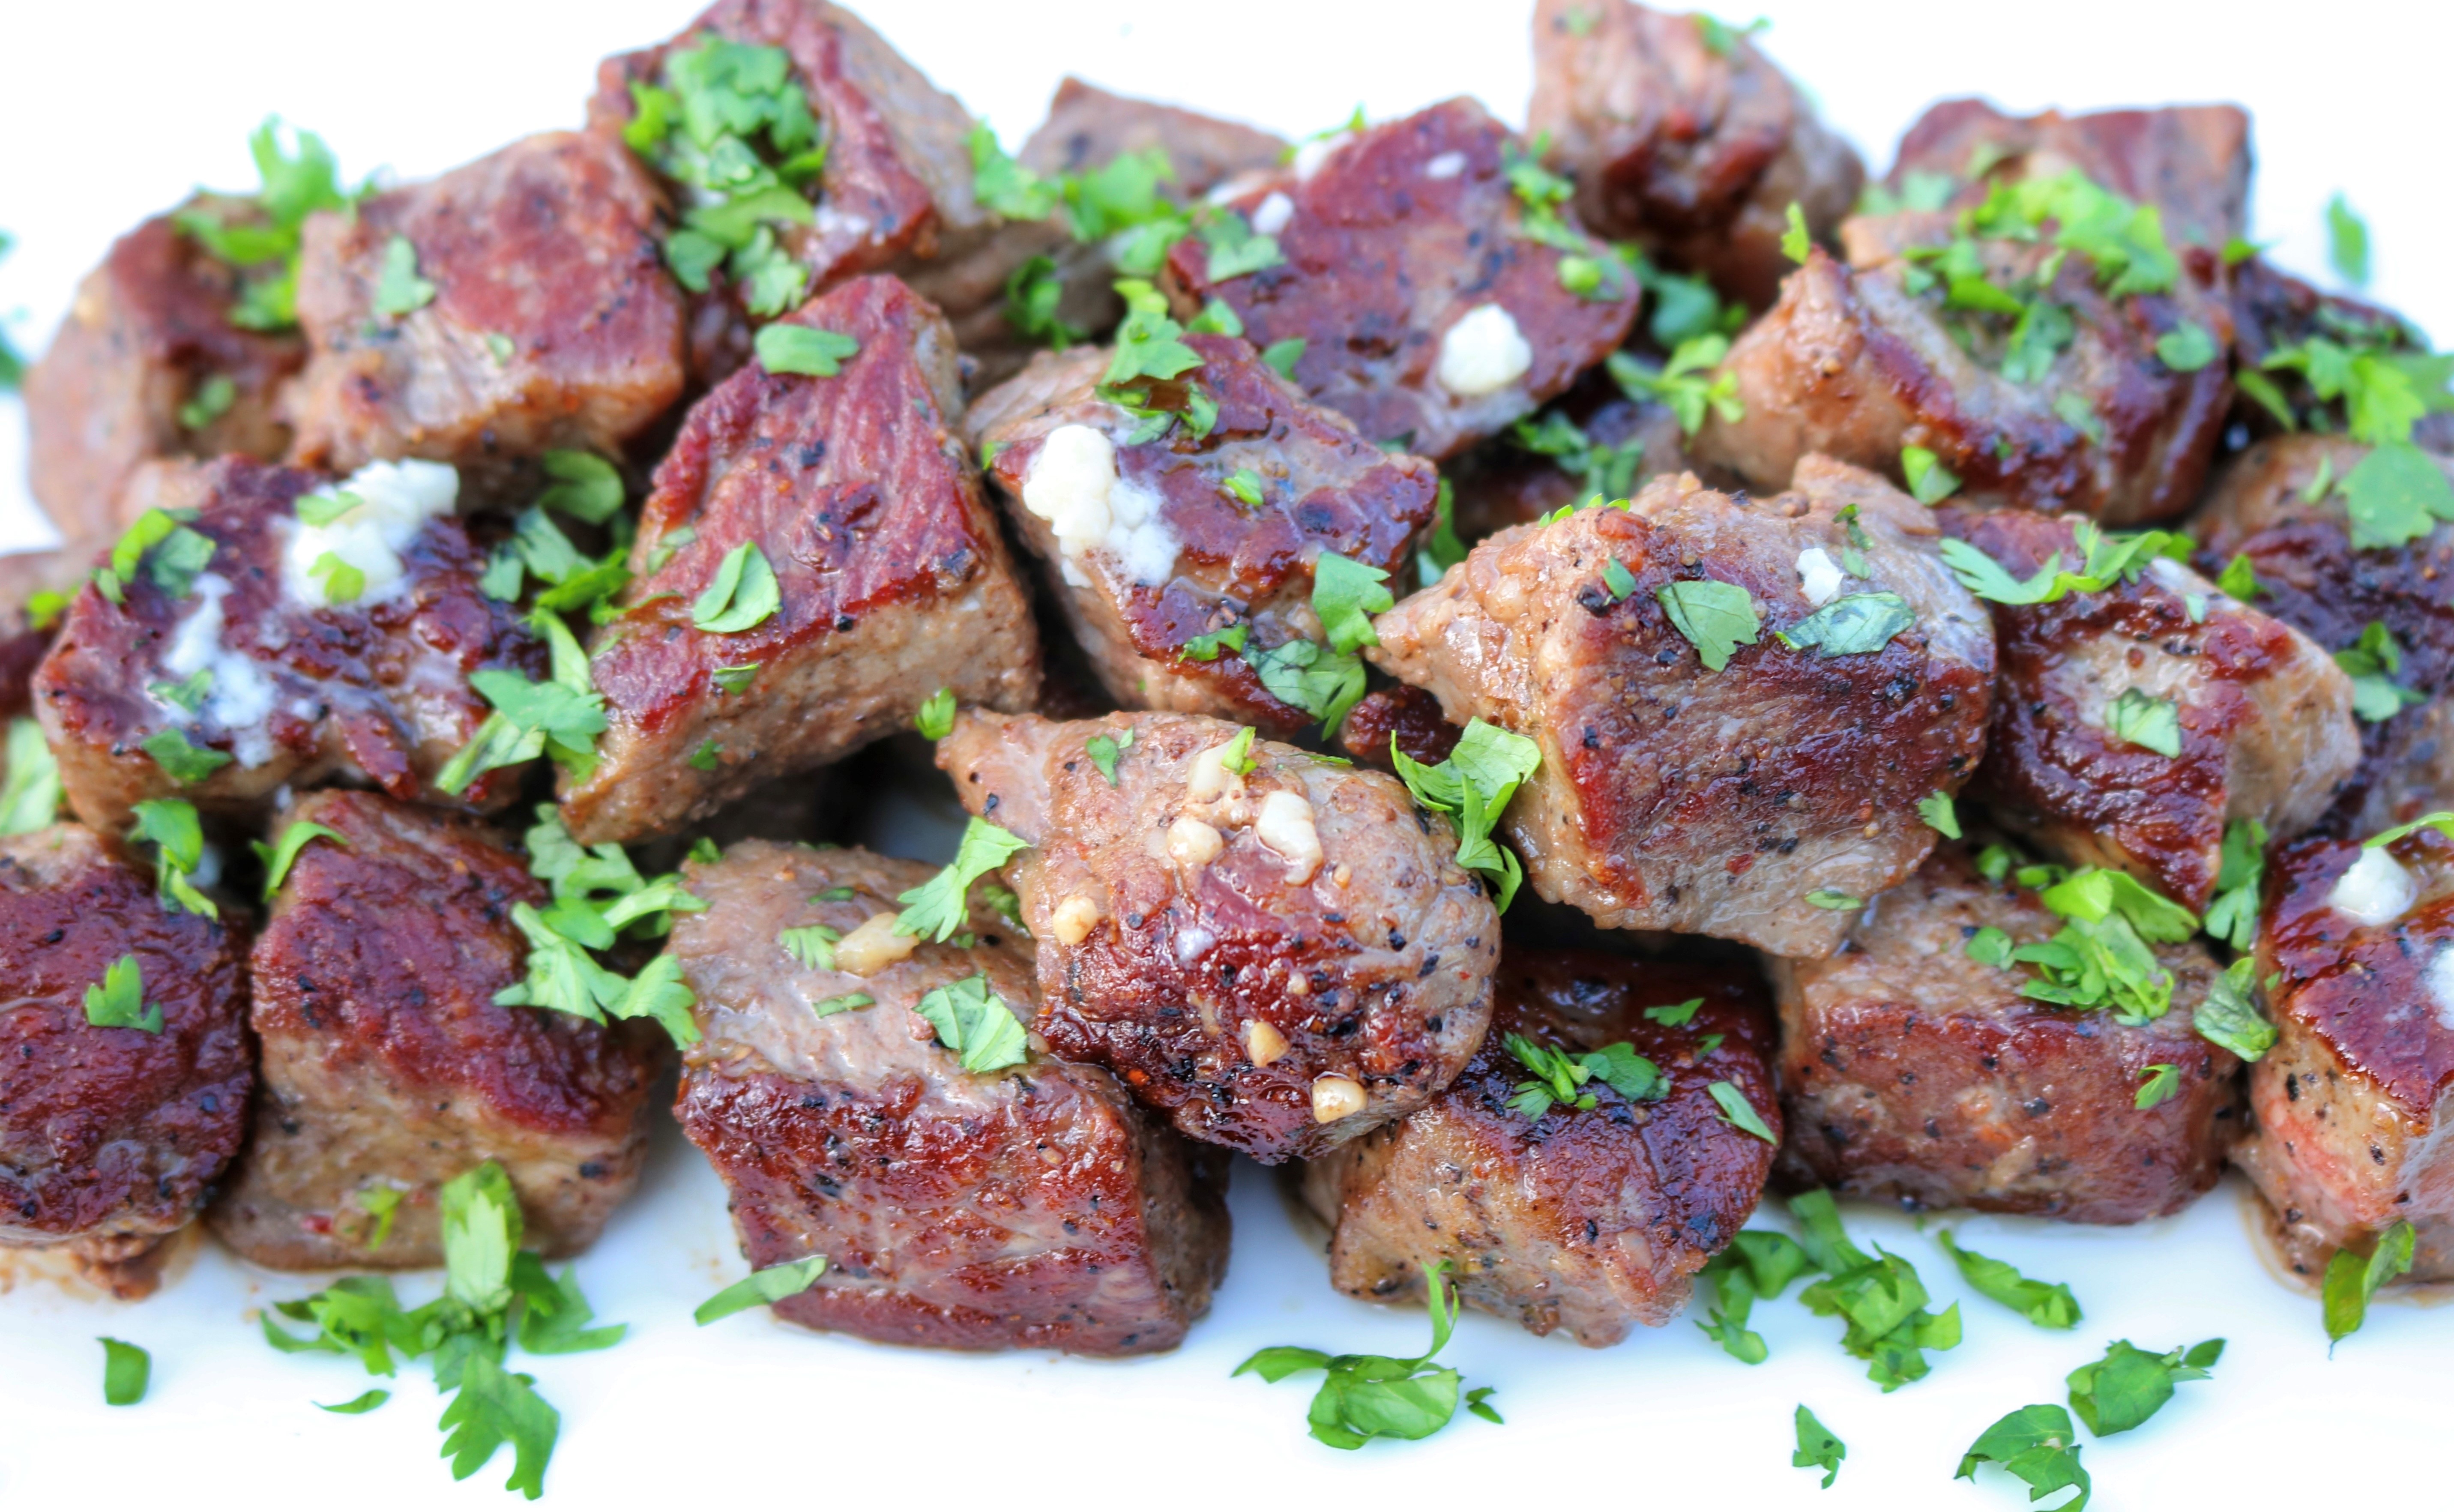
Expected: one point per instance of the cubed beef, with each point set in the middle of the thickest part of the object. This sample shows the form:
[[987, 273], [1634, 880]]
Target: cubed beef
[[2346, 1139], [1087, 130], [1588, 1219], [112, 1138], [2191, 162], [1913, 1073], [147, 336], [1802, 793], [389, 1067], [1595, 439], [264, 683], [1429, 316], [2261, 721], [2271, 311], [1149, 545], [549, 320], [1278, 959], [891, 578], [1854, 364], [1409, 717], [896, 181], [1682, 136], [1031, 1206], [2276, 505]]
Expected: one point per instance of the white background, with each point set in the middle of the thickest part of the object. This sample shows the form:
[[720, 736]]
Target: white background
[[111, 113]]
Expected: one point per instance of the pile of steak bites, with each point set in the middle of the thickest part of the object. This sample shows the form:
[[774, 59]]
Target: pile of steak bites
[[1540, 682]]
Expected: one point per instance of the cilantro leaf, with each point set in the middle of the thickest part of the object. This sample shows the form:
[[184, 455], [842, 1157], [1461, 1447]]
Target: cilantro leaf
[[937, 908], [2106, 560], [976, 1024], [1716, 617], [1104, 750], [1818, 1448], [813, 946], [762, 1287], [804, 350], [1207, 647], [2238, 581], [1034, 294], [1323, 683], [743, 594], [1005, 187], [2038, 1445], [1367, 1396], [936, 719], [126, 1372], [1759, 1264], [2373, 662], [1939, 816], [2130, 1385], [118, 1001], [1687, 383], [1283, 355], [1676, 1016], [2145, 720], [2353, 1279], [2232, 916], [398, 288], [585, 486], [1929, 481], [32, 795], [2186, 348], [2229, 1016], [1881, 1297], [1345, 593], [1235, 249], [492, 1407], [171, 826], [1852, 625], [1474, 786], [2160, 1084], [1738, 1113], [2047, 1304], [2394, 496]]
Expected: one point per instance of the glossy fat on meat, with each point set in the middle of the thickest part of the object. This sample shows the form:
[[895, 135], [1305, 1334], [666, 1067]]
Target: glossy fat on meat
[[1912, 1073], [111, 1139], [1086, 129], [1274, 1002], [1034, 1207], [2192, 162], [1586, 1220], [1395, 237], [1675, 797], [894, 579], [897, 187], [2310, 577], [2266, 732], [146, 331], [2349, 1112], [1852, 365], [550, 246], [1323, 489], [370, 694], [1695, 153], [389, 1066]]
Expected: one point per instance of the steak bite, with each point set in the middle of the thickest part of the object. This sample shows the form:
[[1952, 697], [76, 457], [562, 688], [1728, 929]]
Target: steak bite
[[2134, 724], [1277, 958], [1432, 297], [1026, 1204], [112, 1137], [147, 364], [254, 649], [2276, 316], [508, 308], [2349, 1104], [2280, 507], [1684, 138], [390, 1068], [1154, 545], [802, 151], [2027, 373], [1811, 759], [2191, 162], [1594, 439], [814, 562], [1583, 1217], [1913, 1072]]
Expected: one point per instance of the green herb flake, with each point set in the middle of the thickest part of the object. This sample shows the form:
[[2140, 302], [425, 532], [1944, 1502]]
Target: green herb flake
[[2047, 1304], [1929, 481], [2186, 348], [492, 1407], [2352, 1279], [813, 946], [1852, 625], [1838, 902], [1939, 816], [126, 1372], [398, 288], [1367, 1396], [1716, 617], [2231, 1017], [211, 400], [1691, 383], [2038, 1445], [1738, 1113], [804, 350], [1244, 486], [359, 1406], [1795, 242], [181, 762], [936, 719], [937, 908], [1281, 356], [2347, 242], [1818, 1448], [170, 825], [742, 596], [2394, 496], [2238, 581], [2145, 720], [585, 486], [1880, 1296], [761, 1288], [30, 796], [1617, 580], [1345, 593], [2373, 662], [973, 1022], [841, 1003], [2130, 1385], [1676, 1016], [118, 1001], [1104, 750], [2232, 917], [1208, 646], [1474, 787]]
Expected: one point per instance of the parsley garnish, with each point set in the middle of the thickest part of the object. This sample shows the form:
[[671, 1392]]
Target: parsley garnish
[[1281, 356], [2145, 720], [2373, 662], [1147, 377], [1929, 481], [561, 716], [1852, 625], [170, 825], [2229, 1016], [2104, 562], [2038, 1445], [813, 946], [936, 719], [1104, 750], [1235, 249], [2186, 348], [841, 1003], [182, 761], [937, 908], [1936, 809], [763, 1287], [1795, 242], [1608, 471], [118, 1001], [2347, 242], [398, 288], [743, 594], [1716, 617], [1818, 1448], [2352, 1279], [599, 897], [975, 1023], [1559, 1077], [161, 543], [1367, 1396], [12, 365], [30, 796], [2047, 1304], [2157, 1084], [1441, 548], [1676, 1016], [264, 244], [2238, 581], [2233, 916], [1880, 1296], [1737, 1111], [1686, 383], [364, 1402], [211, 400], [1032, 293], [805, 351], [2128, 1386], [2100, 955], [1474, 786], [585, 486], [126, 1372], [1207, 647], [1759, 1264], [1325, 682]]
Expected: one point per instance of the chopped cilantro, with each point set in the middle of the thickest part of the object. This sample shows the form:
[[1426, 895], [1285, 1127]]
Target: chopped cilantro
[[1818, 1448], [1345, 593], [1929, 481], [2104, 562], [1474, 786], [585, 486], [1838, 902], [1105, 749], [2229, 1016], [2232, 917], [804, 350], [813, 946], [742, 596], [561, 716], [1206, 647], [1441, 548], [2047, 1304], [2130, 1385], [2145, 720], [765, 1286], [359, 1406], [259, 234], [936, 719], [1687, 383], [2186, 348], [841, 1003], [937, 908], [181, 762], [1716, 617], [1852, 625], [2373, 662], [1283, 355], [117, 1001], [1235, 249], [2038, 1445], [1759, 1264], [1244, 486], [30, 796], [126, 1372], [211, 400], [2159, 1084], [1878, 1296], [2238, 581], [1738, 1113], [171, 826], [2347, 242], [973, 1022], [1795, 242], [1033, 292], [1559, 1077], [1676, 1016], [2353, 1279], [1939, 816], [1367, 1396]]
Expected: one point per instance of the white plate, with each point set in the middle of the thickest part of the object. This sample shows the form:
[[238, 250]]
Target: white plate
[[111, 113]]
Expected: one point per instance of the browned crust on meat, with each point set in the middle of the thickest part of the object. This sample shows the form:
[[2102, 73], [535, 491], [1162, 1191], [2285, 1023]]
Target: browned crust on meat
[[1913, 1073], [112, 1138], [2191, 161], [893, 577], [1409, 716], [1501, 483], [389, 1065], [1586, 1220]]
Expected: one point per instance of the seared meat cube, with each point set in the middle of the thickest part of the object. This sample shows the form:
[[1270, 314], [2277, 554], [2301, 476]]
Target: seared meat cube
[[389, 1068], [1588, 1219], [148, 347], [2134, 724], [1151, 545], [1682, 136], [2272, 312], [1801, 793], [2189, 161], [1087, 131], [1912, 1072], [1408, 266], [852, 502], [510, 307], [1278, 959], [2068, 405], [1407, 717], [1594, 440], [2310, 576], [895, 182], [1022, 1206], [2347, 1139], [263, 671], [112, 1137]]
